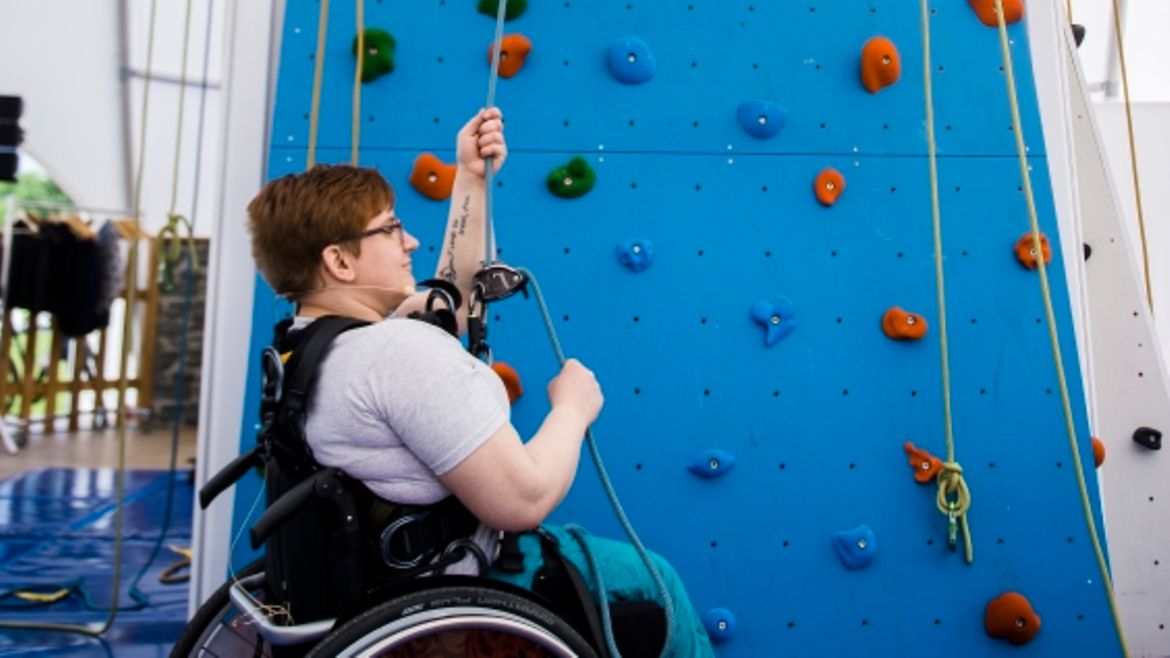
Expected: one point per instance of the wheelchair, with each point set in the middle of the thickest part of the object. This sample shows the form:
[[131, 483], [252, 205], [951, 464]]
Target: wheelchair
[[355, 590]]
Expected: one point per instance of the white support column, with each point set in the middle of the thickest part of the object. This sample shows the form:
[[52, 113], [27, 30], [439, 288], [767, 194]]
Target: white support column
[[251, 59]]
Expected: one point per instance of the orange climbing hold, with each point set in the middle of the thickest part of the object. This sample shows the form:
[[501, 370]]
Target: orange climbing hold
[[828, 186], [880, 64], [432, 177], [903, 325], [1027, 255], [1098, 451], [1010, 617], [511, 380], [514, 49], [1013, 10], [926, 466]]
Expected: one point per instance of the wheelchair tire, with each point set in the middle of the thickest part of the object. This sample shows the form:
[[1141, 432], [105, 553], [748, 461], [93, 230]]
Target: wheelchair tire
[[391, 625], [210, 632]]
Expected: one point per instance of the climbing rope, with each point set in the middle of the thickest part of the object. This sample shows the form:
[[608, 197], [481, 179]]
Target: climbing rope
[[131, 289], [1133, 163], [954, 497], [1057, 356], [355, 137], [318, 73], [611, 493]]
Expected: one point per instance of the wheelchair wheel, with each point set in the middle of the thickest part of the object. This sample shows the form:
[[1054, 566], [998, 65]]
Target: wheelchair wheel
[[460, 621], [218, 631]]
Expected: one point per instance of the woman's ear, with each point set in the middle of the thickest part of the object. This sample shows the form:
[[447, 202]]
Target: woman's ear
[[337, 263]]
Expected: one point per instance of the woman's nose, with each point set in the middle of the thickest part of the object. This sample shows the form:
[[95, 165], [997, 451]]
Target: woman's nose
[[409, 242]]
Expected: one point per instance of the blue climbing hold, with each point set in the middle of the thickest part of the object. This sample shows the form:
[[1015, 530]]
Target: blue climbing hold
[[761, 119], [631, 61], [711, 464], [720, 624], [636, 255], [776, 316], [856, 547]]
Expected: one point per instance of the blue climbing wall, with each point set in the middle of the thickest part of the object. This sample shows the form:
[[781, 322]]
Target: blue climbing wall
[[815, 422]]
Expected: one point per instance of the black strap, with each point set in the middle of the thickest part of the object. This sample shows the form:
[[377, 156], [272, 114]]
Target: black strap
[[559, 581], [308, 347]]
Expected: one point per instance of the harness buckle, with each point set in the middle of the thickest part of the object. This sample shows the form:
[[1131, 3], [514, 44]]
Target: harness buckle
[[387, 537]]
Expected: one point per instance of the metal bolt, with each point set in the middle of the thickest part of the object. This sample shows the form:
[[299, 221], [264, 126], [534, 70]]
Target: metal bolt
[[911, 320], [830, 186], [886, 59], [714, 464], [637, 249], [373, 50], [568, 181], [631, 58], [1021, 622], [722, 625], [432, 177], [762, 119], [862, 544], [925, 466], [775, 319]]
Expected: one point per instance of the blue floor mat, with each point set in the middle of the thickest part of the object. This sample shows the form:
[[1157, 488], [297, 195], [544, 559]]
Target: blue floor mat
[[57, 529]]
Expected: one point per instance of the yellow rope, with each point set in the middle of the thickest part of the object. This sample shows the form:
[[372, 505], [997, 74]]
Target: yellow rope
[[318, 73], [950, 479], [1021, 152], [1133, 163], [120, 477], [357, 82]]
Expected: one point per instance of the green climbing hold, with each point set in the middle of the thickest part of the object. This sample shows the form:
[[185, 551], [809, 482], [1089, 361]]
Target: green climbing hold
[[379, 55], [492, 8], [572, 180]]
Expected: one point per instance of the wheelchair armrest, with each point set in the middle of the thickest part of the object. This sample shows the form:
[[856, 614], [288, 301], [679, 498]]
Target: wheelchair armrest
[[275, 634], [324, 484], [228, 476]]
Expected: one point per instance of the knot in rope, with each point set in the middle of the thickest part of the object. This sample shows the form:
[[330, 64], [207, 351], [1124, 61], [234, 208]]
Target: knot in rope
[[170, 247], [954, 499]]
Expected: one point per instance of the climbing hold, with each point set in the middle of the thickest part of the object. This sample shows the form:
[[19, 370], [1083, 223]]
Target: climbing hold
[[378, 60], [761, 119], [1010, 617], [432, 177], [1078, 32], [1098, 451], [1026, 254], [1013, 10], [926, 466], [880, 64], [903, 325], [856, 548], [572, 180], [511, 380], [828, 186], [630, 61], [1148, 437], [514, 49], [711, 464], [636, 255], [776, 316], [720, 624], [1088, 251], [492, 8]]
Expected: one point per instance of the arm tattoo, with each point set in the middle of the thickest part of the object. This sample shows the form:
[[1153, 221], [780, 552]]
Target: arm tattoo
[[458, 228]]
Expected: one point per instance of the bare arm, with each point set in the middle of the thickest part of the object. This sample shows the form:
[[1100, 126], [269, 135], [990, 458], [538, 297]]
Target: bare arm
[[463, 241], [514, 486]]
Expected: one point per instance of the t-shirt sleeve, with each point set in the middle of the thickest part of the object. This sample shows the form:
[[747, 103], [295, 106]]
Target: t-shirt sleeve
[[442, 402]]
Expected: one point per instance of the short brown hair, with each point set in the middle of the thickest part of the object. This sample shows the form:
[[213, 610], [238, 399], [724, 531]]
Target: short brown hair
[[296, 216]]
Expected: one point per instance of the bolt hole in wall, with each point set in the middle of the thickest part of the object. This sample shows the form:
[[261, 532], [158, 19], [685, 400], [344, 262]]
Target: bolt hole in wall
[[773, 385]]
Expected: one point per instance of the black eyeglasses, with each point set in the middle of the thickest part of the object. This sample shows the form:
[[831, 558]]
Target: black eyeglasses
[[388, 228]]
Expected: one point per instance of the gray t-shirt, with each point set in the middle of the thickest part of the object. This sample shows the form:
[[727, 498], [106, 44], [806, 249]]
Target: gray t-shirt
[[399, 403]]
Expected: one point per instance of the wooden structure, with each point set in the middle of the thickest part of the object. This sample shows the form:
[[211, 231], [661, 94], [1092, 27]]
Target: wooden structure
[[36, 374]]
